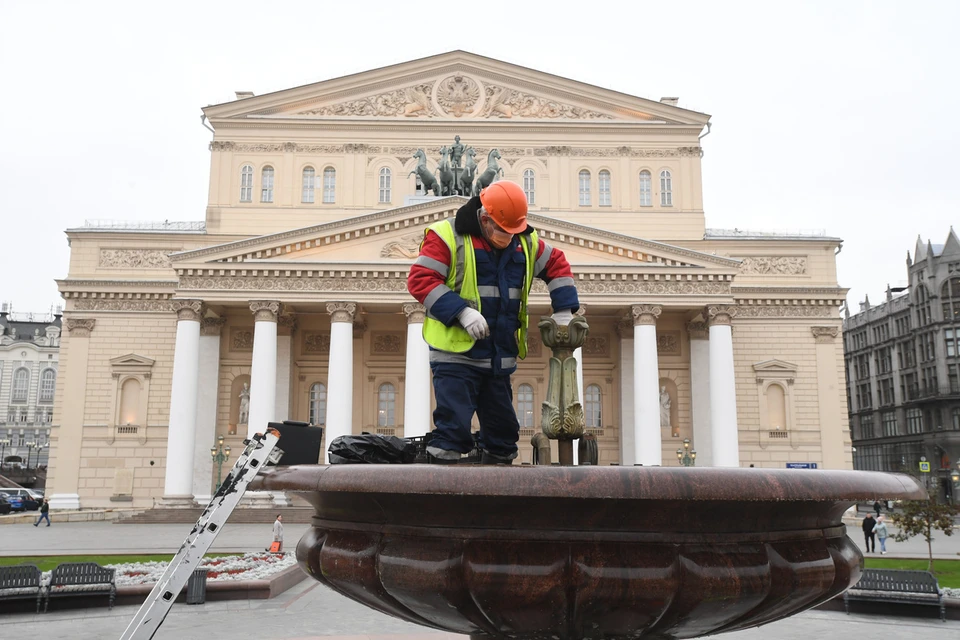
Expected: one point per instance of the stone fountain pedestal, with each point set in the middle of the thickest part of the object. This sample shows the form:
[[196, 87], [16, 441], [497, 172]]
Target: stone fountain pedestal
[[567, 553]]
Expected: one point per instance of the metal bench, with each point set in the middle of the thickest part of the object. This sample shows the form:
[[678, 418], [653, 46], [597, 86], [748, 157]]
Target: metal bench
[[21, 582], [81, 578], [896, 586]]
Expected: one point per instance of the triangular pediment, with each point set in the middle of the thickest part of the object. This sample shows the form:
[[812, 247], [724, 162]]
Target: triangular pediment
[[774, 367], [455, 86], [131, 360], [391, 238]]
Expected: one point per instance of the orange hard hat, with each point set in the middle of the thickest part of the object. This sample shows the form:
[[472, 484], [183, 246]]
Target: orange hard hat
[[506, 204]]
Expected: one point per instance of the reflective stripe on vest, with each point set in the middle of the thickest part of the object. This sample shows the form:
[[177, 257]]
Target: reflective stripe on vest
[[462, 279]]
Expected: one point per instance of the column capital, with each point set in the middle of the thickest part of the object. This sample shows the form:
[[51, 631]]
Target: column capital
[[265, 310], [698, 330], [188, 309], [720, 314], [645, 313], [212, 326], [625, 328], [825, 335], [286, 324], [80, 327], [416, 312], [341, 311]]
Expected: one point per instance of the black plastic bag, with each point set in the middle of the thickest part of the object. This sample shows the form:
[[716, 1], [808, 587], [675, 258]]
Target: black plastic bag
[[372, 449]]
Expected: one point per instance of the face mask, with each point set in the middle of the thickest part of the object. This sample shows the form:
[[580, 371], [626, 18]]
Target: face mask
[[494, 234]]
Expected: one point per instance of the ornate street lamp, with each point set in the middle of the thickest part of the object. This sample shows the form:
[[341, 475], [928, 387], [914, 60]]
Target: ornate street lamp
[[220, 454], [687, 457]]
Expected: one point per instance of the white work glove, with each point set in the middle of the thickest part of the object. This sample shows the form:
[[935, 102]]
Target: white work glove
[[563, 318], [473, 321]]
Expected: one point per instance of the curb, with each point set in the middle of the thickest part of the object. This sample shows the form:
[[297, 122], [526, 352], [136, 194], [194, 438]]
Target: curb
[[87, 515], [224, 589]]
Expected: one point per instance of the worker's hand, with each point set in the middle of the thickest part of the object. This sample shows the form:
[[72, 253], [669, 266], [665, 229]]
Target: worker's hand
[[563, 318], [474, 323]]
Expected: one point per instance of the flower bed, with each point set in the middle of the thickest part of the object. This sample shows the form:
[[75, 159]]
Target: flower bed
[[249, 566]]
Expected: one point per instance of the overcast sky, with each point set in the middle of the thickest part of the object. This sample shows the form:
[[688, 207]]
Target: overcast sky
[[839, 116]]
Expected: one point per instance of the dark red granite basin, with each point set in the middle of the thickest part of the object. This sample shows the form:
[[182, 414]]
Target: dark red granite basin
[[564, 553]]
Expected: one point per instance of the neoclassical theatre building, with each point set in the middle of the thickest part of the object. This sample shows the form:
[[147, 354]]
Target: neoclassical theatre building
[[289, 300]]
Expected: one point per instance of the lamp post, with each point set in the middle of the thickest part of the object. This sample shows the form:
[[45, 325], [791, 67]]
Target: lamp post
[[220, 454], [687, 457], [30, 447], [3, 447]]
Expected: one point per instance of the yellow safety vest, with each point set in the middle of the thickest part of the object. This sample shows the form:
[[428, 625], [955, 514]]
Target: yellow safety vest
[[462, 279]]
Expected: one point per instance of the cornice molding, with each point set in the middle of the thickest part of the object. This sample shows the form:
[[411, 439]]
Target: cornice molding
[[68, 282]]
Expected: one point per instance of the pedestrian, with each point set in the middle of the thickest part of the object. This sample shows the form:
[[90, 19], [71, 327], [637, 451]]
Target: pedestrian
[[876, 507], [44, 513], [277, 546], [881, 530], [474, 276], [868, 535]]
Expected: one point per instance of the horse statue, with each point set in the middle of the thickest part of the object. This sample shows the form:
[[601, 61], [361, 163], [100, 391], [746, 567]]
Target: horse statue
[[445, 173], [427, 179], [465, 183], [493, 169]]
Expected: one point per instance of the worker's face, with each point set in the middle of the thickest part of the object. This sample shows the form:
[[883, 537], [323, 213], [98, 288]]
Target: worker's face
[[493, 233]]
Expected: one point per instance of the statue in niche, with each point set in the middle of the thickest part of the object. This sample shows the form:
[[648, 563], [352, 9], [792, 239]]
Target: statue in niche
[[664, 408], [244, 405]]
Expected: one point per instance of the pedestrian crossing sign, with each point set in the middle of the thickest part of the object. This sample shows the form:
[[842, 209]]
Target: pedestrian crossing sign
[[925, 467]]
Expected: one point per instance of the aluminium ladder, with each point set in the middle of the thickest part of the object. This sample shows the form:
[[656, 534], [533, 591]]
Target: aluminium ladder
[[260, 450]]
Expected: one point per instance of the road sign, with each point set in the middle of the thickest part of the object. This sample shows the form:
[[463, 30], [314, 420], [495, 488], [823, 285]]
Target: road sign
[[925, 467], [801, 465]]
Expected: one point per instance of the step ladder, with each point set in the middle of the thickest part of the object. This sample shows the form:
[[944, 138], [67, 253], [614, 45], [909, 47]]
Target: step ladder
[[260, 450]]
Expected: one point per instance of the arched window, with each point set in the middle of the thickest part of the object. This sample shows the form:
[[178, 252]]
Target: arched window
[[21, 385], [308, 177], [584, 188], [646, 189], [950, 294], [525, 406], [246, 183], [266, 185], [776, 408], [385, 185], [130, 402], [666, 189], [48, 382], [318, 404], [529, 185], [329, 185], [592, 404], [386, 404], [604, 183]]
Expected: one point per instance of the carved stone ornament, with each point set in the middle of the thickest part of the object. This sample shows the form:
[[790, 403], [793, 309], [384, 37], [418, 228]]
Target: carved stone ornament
[[241, 339], [625, 328], [562, 416], [787, 311], [668, 343], [135, 258], [458, 94], [316, 342], [80, 327], [279, 283], [825, 335], [534, 346], [410, 102], [287, 324], [597, 345], [265, 310], [341, 311], [698, 331], [188, 309], [502, 102], [101, 304], [387, 343], [774, 265], [359, 328], [652, 287], [212, 326], [416, 312], [405, 248], [720, 314], [645, 313]]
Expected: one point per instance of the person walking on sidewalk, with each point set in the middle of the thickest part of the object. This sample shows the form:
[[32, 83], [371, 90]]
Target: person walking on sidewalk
[[881, 530], [277, 547], [44, 513], [869, 537], [876, 507]]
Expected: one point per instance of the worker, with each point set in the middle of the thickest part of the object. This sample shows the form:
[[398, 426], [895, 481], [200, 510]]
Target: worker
[[474, 275]]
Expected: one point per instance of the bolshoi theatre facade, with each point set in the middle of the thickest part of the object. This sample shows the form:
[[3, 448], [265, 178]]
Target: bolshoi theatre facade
[[289, 301]]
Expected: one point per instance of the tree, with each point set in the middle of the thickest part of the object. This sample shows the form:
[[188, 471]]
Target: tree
[[921, 518]]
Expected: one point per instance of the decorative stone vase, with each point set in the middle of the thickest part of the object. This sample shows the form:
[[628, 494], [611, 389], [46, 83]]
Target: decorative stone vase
[[561, 413], [567, 553]]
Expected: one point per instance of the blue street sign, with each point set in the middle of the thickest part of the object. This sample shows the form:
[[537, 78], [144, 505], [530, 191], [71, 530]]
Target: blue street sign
[[801, 465]]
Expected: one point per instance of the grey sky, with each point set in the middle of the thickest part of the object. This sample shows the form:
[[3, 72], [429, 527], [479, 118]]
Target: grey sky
[[829, 115]]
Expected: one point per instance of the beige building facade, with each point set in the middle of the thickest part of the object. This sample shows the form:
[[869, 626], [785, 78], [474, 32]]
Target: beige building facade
[[289, 301]]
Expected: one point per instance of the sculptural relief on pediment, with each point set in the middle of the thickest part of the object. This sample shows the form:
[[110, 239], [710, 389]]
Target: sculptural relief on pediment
[[405, 247]]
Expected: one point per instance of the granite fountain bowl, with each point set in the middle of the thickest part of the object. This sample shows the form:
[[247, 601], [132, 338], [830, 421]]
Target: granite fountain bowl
[[564, 553]]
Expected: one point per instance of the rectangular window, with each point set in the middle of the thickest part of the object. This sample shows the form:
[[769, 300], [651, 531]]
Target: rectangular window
[[246, 184], [890, 427], [866, 426], [956, 418], [385, 185], [886, 392], [914, 421], [266, 185], [646, 189], [953, 375], [330, 185], [666, 189], [951, 335], [306, 196], [584, 188], [604, 188]]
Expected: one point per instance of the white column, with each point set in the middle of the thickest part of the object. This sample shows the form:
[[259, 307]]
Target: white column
[[286, 325], [700, 392], [181, 433], [263, 371], [416, 385], [723, 389], [340, 371], [206, 408], [627, 452], [648, 449]]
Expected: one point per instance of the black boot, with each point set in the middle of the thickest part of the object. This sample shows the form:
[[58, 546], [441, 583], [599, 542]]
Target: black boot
[[489, 458]]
